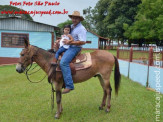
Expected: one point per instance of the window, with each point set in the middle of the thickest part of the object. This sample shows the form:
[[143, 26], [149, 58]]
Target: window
[[88, 42], [13, 39]]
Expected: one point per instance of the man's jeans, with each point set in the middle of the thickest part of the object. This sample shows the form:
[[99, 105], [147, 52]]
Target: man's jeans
[[70, 53], [59, 51]]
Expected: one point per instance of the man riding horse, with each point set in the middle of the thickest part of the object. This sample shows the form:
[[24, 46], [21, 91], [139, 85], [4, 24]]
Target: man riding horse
[[78, 32]]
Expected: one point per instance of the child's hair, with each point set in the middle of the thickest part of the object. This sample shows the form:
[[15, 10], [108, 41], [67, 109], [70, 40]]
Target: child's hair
[[67, 26]]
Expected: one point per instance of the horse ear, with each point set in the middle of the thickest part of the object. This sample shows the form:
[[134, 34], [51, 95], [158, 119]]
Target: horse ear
[[26, 42]]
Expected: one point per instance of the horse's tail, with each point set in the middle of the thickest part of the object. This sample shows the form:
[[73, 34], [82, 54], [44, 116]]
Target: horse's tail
[[117, 76]]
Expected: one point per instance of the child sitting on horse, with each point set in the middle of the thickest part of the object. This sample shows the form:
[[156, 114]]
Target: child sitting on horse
[[63, 47]]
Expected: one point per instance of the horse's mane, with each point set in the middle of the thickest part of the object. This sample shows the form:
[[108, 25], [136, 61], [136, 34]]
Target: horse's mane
[[49, 50], [52, 72]]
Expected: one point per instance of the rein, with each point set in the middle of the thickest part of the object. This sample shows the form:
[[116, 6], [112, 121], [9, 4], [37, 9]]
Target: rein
[[28, 69], [27, 75]]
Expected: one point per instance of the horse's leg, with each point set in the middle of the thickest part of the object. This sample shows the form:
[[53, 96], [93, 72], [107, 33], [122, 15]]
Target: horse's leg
[[108, 90], [104, 95], [58, 87]]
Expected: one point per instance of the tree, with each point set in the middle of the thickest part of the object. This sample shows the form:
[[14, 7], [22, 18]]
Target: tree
[[95, 17], [12, 8], [108, 16], [149, 23], [120, 12], [159, 27]]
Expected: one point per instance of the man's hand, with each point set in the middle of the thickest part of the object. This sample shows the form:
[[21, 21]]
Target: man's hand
[[67, 41], [78, 43]]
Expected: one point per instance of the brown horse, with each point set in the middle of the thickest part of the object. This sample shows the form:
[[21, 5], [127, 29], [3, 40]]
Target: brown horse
[[102, 64]]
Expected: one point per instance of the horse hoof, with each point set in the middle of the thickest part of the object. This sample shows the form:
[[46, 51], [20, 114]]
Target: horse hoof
[[107, 110], [100, 108], [56, 117]]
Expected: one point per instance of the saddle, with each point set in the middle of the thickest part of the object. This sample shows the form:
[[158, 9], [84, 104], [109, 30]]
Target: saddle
[[80, 62]]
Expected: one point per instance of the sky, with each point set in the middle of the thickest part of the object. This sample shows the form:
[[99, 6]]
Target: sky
[[68, 5]]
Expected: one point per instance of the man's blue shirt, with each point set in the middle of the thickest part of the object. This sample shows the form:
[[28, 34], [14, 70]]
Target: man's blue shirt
[[78, 33]]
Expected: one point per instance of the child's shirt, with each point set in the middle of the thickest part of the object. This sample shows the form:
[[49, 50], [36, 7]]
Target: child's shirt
[[61, 41]]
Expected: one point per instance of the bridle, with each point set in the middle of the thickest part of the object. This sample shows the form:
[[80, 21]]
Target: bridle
[[27, 75], [28, 69]]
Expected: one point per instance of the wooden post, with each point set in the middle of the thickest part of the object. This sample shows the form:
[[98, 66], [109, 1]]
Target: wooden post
[[131, 54], [130, 60], [150, 58], [109, 42], [103, 44], [150, 63], [107, 45], [117, 52], [52, 41], [162, 55]]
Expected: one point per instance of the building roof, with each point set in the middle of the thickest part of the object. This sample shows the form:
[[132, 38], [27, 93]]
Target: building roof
[[15, 23], [98, 35]]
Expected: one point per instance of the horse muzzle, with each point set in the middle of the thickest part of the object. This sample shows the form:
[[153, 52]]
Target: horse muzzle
[[19, 68]]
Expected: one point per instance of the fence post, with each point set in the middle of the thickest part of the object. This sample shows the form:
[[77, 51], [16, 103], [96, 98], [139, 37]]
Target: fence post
[[117, 52], [130, 60], [131, 54], [150, 58], [150, 63], [162, 55]]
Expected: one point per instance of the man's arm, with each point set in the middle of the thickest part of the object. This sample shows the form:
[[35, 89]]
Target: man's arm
[[72, 42], [77, 43]]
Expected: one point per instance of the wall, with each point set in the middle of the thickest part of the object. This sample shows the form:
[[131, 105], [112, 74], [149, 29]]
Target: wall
[[124, 67], [40, 39], [154, 73], [139, 73], [94, 41]]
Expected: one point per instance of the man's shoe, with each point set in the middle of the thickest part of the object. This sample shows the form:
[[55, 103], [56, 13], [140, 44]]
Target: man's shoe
[[66, 90]]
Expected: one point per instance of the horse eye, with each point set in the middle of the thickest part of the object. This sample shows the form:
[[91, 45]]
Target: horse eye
[[22, 54]]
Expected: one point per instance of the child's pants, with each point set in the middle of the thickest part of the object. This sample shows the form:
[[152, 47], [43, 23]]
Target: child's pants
[[59, 51]]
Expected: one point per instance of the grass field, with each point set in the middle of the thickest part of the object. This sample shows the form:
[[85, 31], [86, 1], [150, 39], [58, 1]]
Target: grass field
[[21, 100]]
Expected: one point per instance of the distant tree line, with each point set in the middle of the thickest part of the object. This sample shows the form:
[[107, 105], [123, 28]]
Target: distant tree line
[[135, 21], [12, 8]]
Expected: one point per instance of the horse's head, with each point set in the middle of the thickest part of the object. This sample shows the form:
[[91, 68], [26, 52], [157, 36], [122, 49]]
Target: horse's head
[[25, 59]]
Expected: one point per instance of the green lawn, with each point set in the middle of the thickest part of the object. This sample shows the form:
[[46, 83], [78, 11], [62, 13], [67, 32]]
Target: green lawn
[[21, 100]]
